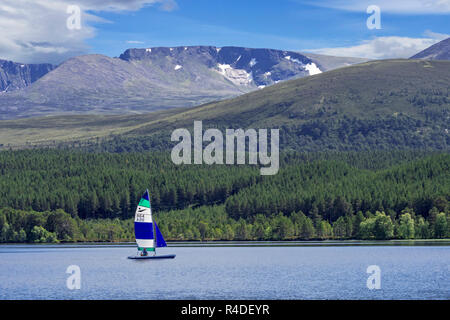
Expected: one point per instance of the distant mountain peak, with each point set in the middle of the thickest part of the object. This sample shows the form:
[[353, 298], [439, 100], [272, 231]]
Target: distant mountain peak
[[241, 66], [147, 79], [15, 76], [438, 51]]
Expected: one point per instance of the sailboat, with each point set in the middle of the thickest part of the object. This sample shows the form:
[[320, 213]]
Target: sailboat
[[148, 236]]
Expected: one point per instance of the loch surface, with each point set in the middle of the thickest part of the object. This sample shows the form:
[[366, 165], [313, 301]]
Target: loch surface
[[310, 271]]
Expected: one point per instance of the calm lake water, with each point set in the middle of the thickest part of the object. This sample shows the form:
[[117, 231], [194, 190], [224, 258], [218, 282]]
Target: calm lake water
[[309, 271]]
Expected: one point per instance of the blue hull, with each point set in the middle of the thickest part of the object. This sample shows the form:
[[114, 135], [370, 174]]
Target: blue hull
[[163, 256]]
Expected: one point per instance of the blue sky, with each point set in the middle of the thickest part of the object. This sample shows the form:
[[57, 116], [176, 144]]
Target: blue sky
[[281, 24], [109, 27]]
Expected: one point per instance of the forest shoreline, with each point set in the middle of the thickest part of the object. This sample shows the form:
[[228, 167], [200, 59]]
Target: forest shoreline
[[249, 243], [57, 196]]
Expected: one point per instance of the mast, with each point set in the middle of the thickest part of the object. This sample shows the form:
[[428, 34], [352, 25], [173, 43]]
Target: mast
[[154, 242], [153, 226]]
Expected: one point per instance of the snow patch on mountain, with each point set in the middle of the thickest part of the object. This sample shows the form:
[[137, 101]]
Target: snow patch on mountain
[[223, 67], [177, 67], [252, 62], [312, 69], [237, 76], [292, 59]]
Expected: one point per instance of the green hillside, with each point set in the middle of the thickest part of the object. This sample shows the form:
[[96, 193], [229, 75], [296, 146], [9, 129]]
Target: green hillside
[[375, 194], [377, 104], [387, 88]]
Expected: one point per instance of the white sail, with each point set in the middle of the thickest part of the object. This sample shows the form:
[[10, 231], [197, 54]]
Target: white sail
[[143, 224]]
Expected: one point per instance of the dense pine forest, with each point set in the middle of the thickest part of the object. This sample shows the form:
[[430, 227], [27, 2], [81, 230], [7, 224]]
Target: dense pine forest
[[49, 195], [317, 135]]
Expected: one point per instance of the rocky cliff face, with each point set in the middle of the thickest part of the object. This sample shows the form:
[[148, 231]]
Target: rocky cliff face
[[14, 76], [242, 66]]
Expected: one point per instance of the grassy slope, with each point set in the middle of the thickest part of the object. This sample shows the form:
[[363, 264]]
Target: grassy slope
[[45, 130], [365, 91], [326, 62], [102, 85]]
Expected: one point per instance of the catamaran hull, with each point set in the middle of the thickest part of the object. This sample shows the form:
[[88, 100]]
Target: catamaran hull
[[163, 256]]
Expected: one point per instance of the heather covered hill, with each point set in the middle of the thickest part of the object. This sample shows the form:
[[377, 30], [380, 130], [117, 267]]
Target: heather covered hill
[[374, 105], [144, 80]]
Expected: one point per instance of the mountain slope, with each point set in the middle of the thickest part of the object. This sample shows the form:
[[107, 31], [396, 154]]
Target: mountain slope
[[327, 63], [143, 80], [438, 51], [99, 84], [377, 104], [15, 76], [378, 88]]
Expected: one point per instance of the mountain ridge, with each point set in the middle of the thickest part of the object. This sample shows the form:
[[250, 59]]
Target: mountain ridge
[[149, 79], [16, 76], [438, 51], [377, 104]]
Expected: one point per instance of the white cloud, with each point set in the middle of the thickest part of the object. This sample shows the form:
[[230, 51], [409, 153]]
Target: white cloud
[[120, 5], [135, 42], [385, 47], [36, 31], [393, 6], [435, 35]]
